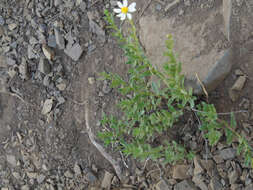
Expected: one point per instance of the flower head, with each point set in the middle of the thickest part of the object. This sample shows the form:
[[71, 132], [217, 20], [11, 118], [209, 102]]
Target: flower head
[[124, 11]]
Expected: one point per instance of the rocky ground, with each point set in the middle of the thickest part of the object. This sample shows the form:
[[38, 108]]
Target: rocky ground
[[51, 54]]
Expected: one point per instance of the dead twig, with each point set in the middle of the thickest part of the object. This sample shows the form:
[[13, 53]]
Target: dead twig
[[202, 86], [114, 163]]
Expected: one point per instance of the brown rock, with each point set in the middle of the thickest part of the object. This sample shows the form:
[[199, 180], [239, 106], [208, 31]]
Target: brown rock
[[181, 172], [198, 169], [199, 182], [185, 185]]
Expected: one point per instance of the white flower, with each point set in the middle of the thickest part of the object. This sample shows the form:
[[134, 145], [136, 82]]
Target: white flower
[[125, 10]]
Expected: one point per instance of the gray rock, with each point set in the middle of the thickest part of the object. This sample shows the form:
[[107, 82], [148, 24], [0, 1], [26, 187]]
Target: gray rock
[[162, 185], [57, 2], [9, 61], [96, 29], [185, 185], [228, 153], [59, 39], [11, 159], [107, 180], [68, 174], [215, 184], [106, 87], [44, 66], [74, 52], [233, 176], [172, 5], [31, 54], [46, 80], [200, 182], [77, 169], [51, 41], [23, 69], [90, 176], [2, 21], [47, 107], [40, 178]]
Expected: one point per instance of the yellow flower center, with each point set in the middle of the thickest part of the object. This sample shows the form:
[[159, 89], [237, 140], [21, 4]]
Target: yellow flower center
[[124, 10]]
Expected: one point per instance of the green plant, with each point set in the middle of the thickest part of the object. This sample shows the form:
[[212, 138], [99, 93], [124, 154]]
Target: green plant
[[149, 110]]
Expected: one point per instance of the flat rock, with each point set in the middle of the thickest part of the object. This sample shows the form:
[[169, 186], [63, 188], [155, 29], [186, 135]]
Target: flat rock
[[11, 159], [59, 39], [228, 153], [74, 52], [47, 107], [48, 52], [107, 180], [162, 185], [200, 182], [185, 185], [215, 184], [189, 46], [44, 66], [198, 168], [77, 169], [234, 92], [181, 172], [96, 29], [233, 176]]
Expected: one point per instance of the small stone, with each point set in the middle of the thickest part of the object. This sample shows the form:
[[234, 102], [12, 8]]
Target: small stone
[[61, 86], [59, 39], [106, 87], [25, 187], [9, 61], [208, 165], [77, 169], [90, 176], [31, 54], [68, 174], [107, 180], [185, 185], [51, 41], [172, 5], [12, 26], [33, 41], [40, 178], [23, 69], [2, 21], [44, 66], [96, 29], [198, 167], [238, 72], [162, 185], [31, 175], [239, 84], [91, 80], [46, 80], [47, 107], [233, 176], [74, 52], [215, 184], [16, 175], [218, 159], [199, 182], [181, 172], [11, 159], [228, 153], [48, 52], [57, 2], [237, 87]]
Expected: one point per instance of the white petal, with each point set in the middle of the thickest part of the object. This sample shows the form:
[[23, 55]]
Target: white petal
[[122, 16], [117, 10], [129, 16], [119, 4], [125, 3], [131, 7]]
